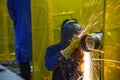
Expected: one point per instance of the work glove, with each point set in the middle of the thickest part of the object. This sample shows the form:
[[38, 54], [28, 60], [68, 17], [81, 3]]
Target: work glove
[[68, 50], [75, 44]]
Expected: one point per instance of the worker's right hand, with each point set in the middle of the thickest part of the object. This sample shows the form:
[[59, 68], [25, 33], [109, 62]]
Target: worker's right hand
[[75, 44]]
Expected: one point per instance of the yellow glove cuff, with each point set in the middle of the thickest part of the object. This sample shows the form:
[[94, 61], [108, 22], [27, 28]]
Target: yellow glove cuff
[[67, 52]]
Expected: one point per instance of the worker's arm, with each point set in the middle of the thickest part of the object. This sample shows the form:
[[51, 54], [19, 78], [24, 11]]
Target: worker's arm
[[53, 58]]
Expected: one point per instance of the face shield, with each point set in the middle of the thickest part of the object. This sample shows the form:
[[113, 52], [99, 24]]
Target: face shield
[[69, 28]]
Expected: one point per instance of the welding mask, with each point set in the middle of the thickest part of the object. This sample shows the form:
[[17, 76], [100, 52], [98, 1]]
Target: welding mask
[[69, 27]]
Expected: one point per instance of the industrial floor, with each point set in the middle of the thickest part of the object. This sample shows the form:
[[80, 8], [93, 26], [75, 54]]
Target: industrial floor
[[12, 66], [9, 70]]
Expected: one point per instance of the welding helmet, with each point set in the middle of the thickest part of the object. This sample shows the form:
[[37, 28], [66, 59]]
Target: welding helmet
[[69, 27]]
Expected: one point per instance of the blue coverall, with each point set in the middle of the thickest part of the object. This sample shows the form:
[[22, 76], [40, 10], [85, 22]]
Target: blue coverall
[[20, 13]]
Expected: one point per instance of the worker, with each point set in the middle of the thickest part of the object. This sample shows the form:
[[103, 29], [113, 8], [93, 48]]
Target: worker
[[66, 57], [20, 13]]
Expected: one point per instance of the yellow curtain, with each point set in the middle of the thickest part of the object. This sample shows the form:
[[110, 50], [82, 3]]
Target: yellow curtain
[[6, 34], [42, 30], [112, 41]]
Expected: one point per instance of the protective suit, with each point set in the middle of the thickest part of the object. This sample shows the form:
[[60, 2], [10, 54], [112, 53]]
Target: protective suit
[[19, 11], [64, 69]]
